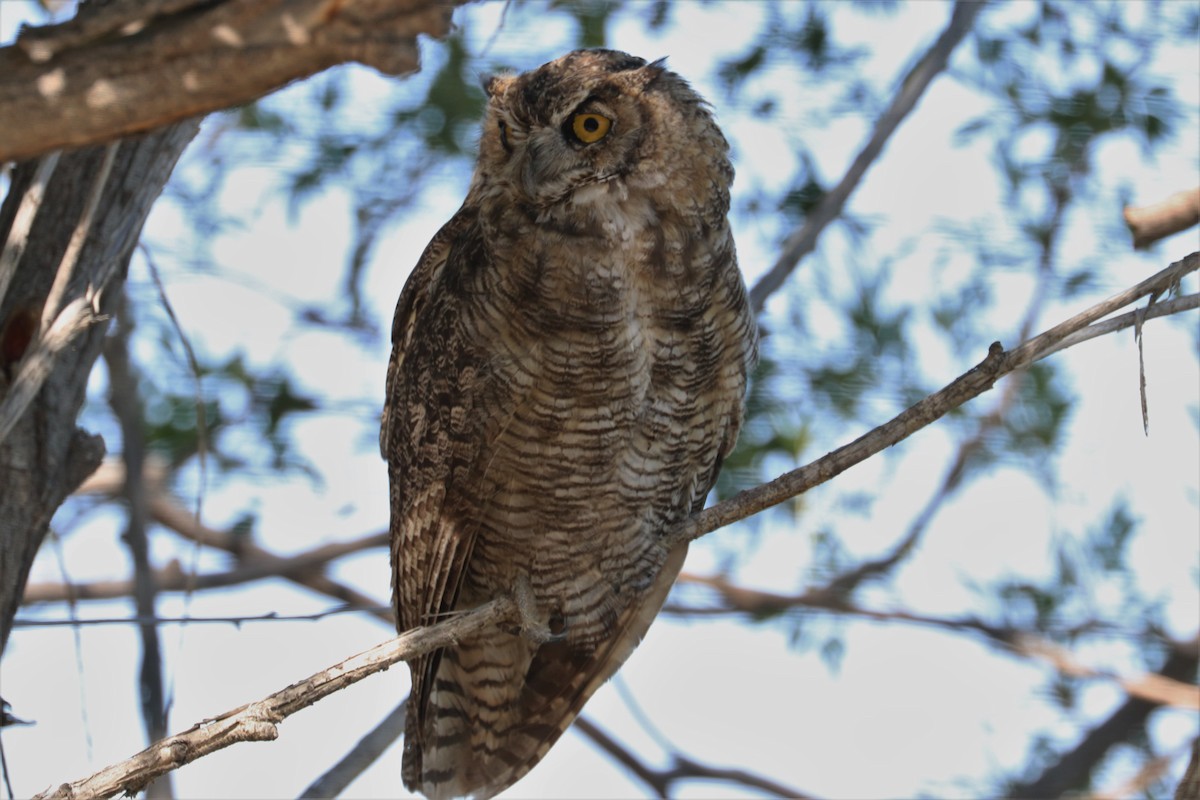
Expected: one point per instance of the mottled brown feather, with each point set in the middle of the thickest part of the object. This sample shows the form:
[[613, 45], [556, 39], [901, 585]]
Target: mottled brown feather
[[569, 363]]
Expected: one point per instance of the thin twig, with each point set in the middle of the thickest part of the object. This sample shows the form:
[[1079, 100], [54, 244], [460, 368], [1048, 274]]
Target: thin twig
[[165, 511], [126, 405], [271, 616]]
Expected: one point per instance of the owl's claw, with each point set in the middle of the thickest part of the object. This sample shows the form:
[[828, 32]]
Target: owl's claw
[[532, 626]]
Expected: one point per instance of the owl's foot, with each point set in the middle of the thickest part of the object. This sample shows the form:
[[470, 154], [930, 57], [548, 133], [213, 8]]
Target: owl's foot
[[532, 626]]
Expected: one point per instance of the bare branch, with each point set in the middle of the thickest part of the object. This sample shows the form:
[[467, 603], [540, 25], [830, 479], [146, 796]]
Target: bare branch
[[1148, 224], [1073, 769], [682, 768], [258, 721], [172, 577], [911, 88], [1153, 688], [304, 571], [125, 67], [365, 753], [971, 384], [126, 405]]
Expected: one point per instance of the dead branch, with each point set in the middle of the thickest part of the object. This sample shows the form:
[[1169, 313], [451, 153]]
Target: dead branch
[[971, 384], [911, 88], [1149, 224], [128, 66], [302, 569], [1074, 768], [365, 753], [258, 722], [173, 578], [682, 768]]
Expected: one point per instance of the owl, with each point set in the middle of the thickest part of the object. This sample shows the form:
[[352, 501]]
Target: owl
[[568, 369]]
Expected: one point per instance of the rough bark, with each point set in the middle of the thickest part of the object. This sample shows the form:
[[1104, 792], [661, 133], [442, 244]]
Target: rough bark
[[127, 66], [45, 456]]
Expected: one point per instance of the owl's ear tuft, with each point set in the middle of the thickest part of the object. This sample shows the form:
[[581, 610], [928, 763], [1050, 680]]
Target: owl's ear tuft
[[496, 84], [642, 77]]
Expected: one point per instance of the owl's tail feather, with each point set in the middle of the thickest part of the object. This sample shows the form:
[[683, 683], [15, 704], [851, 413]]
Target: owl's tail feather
[[499, 701]]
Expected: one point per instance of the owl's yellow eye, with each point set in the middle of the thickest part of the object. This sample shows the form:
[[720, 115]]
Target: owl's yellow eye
[[589, 128]]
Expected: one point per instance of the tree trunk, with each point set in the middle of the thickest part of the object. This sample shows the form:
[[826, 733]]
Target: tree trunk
[[45, 456]]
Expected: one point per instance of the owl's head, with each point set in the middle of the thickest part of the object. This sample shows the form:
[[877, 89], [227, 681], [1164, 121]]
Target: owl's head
[[599, 123]]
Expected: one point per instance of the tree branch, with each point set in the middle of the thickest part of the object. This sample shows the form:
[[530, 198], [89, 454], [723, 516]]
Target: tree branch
[[682, 768], [300, 569], [365, 753], [1073, 770], [257, 722], [43, 456], [126, 405], [971, 384], [129, 66], [801, 242], [1148, 224], [172, 577]]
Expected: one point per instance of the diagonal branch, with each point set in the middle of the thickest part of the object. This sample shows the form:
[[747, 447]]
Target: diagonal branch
[[1073, 770], [801, 242], [257, 722], [971, 384], [660, 781]]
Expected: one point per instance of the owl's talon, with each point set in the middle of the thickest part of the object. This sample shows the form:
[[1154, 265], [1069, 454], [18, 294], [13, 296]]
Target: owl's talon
[[531, 625]]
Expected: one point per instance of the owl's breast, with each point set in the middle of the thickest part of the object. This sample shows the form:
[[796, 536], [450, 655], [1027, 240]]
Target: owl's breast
[[614, 377]]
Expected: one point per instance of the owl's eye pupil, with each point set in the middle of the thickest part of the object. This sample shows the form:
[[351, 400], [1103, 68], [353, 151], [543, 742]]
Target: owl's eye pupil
[[587, 128]]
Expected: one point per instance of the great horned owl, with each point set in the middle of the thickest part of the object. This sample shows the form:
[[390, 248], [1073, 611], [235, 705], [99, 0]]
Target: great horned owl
[[568, 370]]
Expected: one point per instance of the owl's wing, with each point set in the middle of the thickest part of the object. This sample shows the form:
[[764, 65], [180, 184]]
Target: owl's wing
[[424, 436]]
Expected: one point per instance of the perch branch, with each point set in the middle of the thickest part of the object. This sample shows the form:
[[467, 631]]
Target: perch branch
[[971, 384], [258, 722]]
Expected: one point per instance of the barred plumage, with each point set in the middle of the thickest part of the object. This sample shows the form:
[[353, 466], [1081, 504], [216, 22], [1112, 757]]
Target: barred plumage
[[568, 370]]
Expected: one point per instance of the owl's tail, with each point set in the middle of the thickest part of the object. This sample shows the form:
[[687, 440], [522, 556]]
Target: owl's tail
[[498, 702]]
